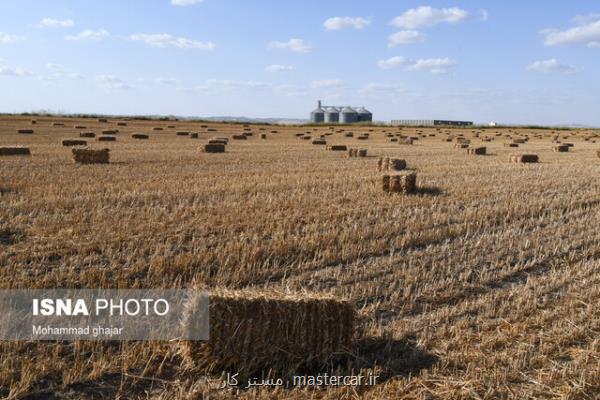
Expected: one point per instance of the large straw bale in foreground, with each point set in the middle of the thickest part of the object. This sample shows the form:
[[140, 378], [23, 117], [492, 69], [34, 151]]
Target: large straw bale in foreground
[[252, 331], [399, 183], [90, 156]]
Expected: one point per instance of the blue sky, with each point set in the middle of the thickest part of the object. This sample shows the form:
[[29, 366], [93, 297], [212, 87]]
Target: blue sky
[[478, 60]]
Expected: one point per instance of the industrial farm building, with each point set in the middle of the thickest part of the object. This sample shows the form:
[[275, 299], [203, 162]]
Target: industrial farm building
[[430, 122], [341, 115]]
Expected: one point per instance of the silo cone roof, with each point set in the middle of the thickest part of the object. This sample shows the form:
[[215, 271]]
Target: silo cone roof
[[318, 110], [363, 110], [348, 110]]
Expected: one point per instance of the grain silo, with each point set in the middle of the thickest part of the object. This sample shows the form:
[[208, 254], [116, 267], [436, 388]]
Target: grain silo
[[348, 115], [332, 114], [318, 114], [364, 115]]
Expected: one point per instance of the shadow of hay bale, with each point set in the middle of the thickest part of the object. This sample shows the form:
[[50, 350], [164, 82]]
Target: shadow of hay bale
[[428, 191], [392, 356], [10, 236]]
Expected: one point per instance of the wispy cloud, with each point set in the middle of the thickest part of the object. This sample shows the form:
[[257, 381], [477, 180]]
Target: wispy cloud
[[588, 33], [6, 38], [339, 23], [328, 84], [13, 71], [166, 40], [425, 16], [185, 2], [279, 68], [405, 37], [294, 44], [111, 82], [56, 23], [552, 65], [433, 65], [484, 15], [168, 81], [221, 85], [88, 34]]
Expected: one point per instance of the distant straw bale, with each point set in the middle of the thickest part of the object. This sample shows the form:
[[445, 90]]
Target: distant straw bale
[[90, 156], [194, 135], [563, 148], [80, 127], [524, 158], [157, 128], [480, 151], [122, 123], [461, 145], [106, 139], [74, 142], [239, 137], [337, 147], [110, 132], [139, 136], [253, 331], [58, 124], [14, 151], [102, 120], [87, 134], [361, 153], [25, 131], [182, 133], [214, 148], [319, 142], [263, 135]]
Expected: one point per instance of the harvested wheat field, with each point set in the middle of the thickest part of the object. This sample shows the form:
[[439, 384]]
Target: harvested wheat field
[[483, 283]]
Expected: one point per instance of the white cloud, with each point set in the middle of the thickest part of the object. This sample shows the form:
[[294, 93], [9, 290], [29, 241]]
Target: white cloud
[[405, 37], [168, 81], [10, 71], [585, 19], [484, 15], [88, 34], [295, 45], [56, 23], [393, 62], [328, 84], [279, 68], [110, 82], [552, 65], [185, 2], [428, 16], [338, 23], [166, 40], [587, 34], [6, 38], [290, 90], [380, 89], [433, 65]]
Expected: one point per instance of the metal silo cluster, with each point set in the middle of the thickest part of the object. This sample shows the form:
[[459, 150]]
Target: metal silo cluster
[[337, 114]]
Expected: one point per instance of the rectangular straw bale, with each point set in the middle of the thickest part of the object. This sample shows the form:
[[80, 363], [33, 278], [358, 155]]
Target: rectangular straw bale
[[361, 153], [58, 124], [461, 145], [25, 131], [217, 141], [102, 120], [337, 147], [194, 135], [253, 331], [122, 123], [524, 158], [90, 156], [400, 183], [109, 132], [481, 151], [263, 135], [139, 136], [214, 148], [319, 142], [80, 127], [511, 145], [561, 148], [106, 139], [396, 164], [352, 152], [182, 133], [74, 142], [239, 137], [14, 151], [87, 134]]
